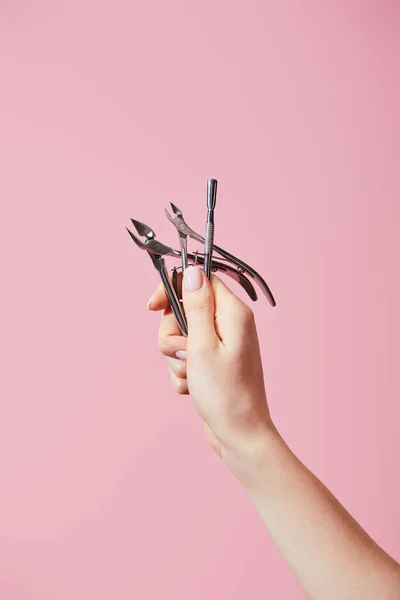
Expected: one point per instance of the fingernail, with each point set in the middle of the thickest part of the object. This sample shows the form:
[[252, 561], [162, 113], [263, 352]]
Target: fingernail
[[181, 354], [193, 279], [149, 302]]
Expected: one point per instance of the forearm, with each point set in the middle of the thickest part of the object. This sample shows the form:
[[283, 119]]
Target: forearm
[[330, 554], [332, 557]]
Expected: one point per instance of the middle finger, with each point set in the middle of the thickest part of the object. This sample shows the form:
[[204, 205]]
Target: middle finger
[[170, 338], [178, 367]]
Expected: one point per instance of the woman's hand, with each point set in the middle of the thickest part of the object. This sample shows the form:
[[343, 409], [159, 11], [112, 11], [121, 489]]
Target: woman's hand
[[219, 363], [330, 554]]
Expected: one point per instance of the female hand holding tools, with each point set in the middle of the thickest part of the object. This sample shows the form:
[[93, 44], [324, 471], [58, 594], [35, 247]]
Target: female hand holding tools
[[219, 364]]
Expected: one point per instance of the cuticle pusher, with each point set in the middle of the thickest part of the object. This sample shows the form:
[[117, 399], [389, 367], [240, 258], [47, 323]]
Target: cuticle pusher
[[209, 235]]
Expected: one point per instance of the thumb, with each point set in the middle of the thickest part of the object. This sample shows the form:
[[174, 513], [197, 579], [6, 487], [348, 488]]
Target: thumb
[[199, 304]]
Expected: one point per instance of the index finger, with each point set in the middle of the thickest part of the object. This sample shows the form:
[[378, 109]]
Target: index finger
[[159, 300]]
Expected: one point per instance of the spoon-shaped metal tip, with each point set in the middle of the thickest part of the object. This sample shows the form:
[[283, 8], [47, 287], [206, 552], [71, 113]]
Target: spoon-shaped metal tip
[[211, 193]]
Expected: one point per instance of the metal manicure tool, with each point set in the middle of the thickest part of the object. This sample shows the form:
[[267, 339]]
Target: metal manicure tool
[[186, 232], [209, 236], [227, 263]]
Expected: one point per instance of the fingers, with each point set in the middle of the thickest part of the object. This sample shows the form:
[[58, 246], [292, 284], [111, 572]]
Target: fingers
[[214, 314], [180, 385], [159, 300], [173, 345], [198, 300], [232, 315], [178, 367], [170, 338]]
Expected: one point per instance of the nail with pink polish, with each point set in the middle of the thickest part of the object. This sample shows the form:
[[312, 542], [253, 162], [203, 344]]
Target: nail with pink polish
[[192, 278]]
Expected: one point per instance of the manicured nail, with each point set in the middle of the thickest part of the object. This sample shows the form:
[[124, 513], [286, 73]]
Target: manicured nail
[[193, 279], [149, 303], [181, 354]]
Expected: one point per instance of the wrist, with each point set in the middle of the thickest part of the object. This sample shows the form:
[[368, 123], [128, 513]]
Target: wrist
[[249, 458]]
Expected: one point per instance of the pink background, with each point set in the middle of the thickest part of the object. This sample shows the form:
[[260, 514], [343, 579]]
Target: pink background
[[109, 110]]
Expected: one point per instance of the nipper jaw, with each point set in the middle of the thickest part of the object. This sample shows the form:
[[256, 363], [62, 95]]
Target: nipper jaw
[[229, 264]]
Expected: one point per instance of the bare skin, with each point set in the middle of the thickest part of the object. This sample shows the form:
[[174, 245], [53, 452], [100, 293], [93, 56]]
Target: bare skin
[[220, 366]]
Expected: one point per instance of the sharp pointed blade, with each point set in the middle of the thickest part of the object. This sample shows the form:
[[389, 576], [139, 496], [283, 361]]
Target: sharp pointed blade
[[135, 239], [168, 215], [142, 228], [177, 211]]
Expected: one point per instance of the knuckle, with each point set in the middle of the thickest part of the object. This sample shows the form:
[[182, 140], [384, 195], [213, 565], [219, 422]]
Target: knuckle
[[201, 306], [246, 315], [181, 371], [163, 345], [181, 386], [178, 367]]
